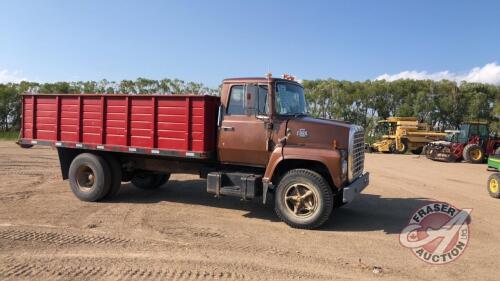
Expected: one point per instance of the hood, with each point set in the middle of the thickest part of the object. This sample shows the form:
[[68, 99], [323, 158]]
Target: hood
[[319, 133]]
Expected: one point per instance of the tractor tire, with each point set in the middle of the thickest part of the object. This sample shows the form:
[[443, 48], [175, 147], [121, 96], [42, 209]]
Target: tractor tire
[[149, 181], [473, 153], [426, 150], [404, 147], [88, 177], [303, 199], [493, 185], [417, 151], [116, 176]]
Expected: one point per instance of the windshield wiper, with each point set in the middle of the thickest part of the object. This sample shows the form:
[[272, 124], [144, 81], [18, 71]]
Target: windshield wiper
[[297, 115]]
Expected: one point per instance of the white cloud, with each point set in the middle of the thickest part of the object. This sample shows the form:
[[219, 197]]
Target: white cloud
[[10, 76], [490, 73]]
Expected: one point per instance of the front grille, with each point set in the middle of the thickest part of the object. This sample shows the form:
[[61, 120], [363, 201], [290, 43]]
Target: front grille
[[356, 152]]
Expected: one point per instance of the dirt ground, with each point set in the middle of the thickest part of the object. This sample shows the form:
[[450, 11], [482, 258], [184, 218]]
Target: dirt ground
[[182, 233]]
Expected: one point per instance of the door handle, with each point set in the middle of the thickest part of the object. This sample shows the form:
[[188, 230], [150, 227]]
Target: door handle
[[226, 128]]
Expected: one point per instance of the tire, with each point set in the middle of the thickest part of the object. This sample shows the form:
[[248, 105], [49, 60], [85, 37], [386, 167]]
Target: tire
[[465, 155], [417, 151], [116, 176], [404, 143], [493, 185], [295, 213], [473, 153], [88, 177], [426, 150], [149, 181]]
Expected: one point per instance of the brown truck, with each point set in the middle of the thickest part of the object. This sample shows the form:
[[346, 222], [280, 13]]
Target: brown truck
[[254, 140]]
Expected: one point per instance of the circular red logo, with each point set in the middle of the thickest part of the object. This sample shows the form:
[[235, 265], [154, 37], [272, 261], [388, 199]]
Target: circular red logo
[[437, 233]]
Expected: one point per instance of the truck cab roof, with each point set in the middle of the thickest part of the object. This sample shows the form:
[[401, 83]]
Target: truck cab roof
[[257, 80]]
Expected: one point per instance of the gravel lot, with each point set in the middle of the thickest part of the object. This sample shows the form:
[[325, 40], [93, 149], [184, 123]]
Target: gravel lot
[[181, 233]]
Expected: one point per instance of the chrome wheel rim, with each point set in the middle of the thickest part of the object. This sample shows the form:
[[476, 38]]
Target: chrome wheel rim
[[301, 200]]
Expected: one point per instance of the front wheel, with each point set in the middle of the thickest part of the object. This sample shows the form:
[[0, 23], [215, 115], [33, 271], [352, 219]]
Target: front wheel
[[402, 149], [303, 199], [494, 185], [149, 180], [473, 153]]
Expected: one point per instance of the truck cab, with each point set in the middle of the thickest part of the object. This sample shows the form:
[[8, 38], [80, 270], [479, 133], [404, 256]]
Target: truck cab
[[263, 123]]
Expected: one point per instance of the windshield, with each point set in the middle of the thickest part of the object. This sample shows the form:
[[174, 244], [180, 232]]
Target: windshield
[[385, 128], [451, 136], [290, 99], [463, 136]]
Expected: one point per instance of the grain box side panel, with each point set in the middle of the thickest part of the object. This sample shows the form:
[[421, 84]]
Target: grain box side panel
[[69, 126], [27, 117], [171, 123], [115, 121], [46, 118], [141, 121], [91, 119]]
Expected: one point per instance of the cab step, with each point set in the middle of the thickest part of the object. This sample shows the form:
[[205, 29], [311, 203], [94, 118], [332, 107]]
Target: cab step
[[238, 184]]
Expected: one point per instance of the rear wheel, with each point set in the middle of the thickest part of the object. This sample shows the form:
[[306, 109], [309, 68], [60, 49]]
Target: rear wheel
[[116, 176], [88, 177], [473, 153], [303, 199], [493, 185], [146, 180]]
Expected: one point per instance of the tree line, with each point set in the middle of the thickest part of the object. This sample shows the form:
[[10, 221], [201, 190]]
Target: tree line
[[442, 104]]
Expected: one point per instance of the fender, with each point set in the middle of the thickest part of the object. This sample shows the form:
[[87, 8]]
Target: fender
[[328, 157]]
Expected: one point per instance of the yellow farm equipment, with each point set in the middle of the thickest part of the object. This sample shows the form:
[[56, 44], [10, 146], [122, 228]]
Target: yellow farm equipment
[[401, 134]]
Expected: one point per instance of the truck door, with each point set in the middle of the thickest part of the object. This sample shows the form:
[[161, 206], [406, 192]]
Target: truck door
[[243, 134]]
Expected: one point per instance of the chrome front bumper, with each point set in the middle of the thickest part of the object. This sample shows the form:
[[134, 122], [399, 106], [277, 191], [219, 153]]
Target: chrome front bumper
[[351, 191]]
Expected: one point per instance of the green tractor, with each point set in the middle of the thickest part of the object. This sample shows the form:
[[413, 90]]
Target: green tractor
[[493, 184]]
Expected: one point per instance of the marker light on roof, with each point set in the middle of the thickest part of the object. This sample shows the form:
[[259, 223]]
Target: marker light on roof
[[288, 77]]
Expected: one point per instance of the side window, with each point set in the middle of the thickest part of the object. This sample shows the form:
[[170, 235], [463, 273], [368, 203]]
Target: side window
[[474, 131], [483, 130], [236, 105], [262, 108], [255, 95]]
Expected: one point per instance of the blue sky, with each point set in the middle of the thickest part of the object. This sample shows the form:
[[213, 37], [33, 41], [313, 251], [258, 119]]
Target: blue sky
[[207, 41]]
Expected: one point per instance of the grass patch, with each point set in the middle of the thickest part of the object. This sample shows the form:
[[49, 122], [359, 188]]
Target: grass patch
[[9, 135]]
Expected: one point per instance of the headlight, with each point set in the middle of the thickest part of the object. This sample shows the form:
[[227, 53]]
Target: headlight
[[343, 162], [344, 167]]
